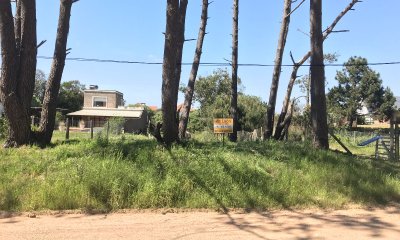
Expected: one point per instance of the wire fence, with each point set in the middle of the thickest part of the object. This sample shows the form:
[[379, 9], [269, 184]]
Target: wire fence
[[89, 130]]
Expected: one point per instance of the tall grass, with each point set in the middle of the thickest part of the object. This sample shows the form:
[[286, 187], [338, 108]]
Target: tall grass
[[135, 172]]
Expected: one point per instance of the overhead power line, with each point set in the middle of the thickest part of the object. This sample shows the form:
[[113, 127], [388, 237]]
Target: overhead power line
[[213, 64]]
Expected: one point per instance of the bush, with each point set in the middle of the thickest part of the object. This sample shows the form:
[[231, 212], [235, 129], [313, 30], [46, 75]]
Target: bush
[[116, 125]]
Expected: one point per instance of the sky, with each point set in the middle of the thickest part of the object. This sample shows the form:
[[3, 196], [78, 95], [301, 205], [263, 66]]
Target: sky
[[132, 30]]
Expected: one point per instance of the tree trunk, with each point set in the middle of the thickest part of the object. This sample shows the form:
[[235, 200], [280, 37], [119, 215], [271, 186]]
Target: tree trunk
[[308, 92], [280, 124], [193, 74], [17, 28], [180, 42], [296, 67], [277, 70], [286, 123], [18, 67], [351, 121], [170, 84], [28, 53], [235, 46], [317, 74], [49, 105]]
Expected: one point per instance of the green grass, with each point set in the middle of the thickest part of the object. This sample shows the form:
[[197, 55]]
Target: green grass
[[135, 172], [352, 144]]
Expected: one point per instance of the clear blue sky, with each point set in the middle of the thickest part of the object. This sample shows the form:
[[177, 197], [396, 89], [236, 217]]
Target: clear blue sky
[[132, 30]]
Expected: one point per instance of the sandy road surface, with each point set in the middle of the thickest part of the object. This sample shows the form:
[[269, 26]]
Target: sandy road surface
[[310, 224]]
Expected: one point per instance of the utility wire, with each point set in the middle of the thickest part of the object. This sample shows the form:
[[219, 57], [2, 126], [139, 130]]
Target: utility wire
[[214, 64]]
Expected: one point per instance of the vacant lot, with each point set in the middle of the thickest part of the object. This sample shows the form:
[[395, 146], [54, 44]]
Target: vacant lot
[[131, 172]]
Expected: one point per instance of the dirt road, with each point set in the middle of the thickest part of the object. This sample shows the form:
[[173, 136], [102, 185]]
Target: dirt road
[[310, 224]]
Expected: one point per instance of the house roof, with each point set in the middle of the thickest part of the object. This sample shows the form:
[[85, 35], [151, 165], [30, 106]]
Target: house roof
[[103, 91], [127, 113], [153, 108]]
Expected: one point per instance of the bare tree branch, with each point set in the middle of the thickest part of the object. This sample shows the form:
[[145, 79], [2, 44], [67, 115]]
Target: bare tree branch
[[297, 65], [41, 43], [339, 17], [295, 8]]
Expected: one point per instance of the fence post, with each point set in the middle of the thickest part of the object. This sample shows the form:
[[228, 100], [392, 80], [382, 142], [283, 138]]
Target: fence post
[[67, 130], [392, 139], [396, 133], [32, 120], [91, 129], [108, 128], [340, 142]]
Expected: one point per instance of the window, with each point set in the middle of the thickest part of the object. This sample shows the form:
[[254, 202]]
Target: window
[[99, 102]]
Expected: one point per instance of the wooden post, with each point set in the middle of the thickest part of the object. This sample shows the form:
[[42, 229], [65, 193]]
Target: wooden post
[[32, 120], [392, 140], [396, 133], [91, 129], [387, 149], [108, 128], [377, 150], [340, 142], [67, 129]]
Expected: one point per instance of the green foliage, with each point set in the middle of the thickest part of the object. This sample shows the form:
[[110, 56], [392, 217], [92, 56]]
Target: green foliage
[[197, 122], [40, 88], [150, 113], [387, 107], [213, 93], [304, 84], [303, 119], [305, 81], [358, 85], [216, 85], [71, 96], [157, 117], [331, 57], [252, 112], [135, 172], [60, 117], [116, 125]]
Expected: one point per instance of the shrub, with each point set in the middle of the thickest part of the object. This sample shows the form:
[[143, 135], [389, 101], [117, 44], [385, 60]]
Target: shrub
[[116, 125]]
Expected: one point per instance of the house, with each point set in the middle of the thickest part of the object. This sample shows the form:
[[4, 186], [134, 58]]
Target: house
[[366, 113], [101, 105]]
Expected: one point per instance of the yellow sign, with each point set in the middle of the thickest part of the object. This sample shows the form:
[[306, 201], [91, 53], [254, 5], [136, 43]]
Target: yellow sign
[[223, 125]]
